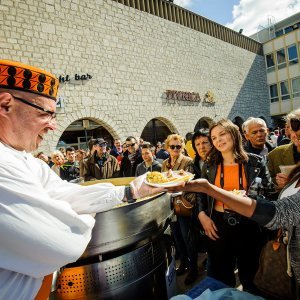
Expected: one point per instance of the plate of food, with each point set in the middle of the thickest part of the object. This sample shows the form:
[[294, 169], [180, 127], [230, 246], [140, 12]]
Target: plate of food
[[168, 179]]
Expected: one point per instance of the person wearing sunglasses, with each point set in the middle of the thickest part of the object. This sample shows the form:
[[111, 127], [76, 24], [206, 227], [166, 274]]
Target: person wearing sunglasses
[[132, 157], [45, 222], [180, 228], [286, 155]]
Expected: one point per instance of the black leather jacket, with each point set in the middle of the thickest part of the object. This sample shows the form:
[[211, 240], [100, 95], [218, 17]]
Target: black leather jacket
[[255, 167]]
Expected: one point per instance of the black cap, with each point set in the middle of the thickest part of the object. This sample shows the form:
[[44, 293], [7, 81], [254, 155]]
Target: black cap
[[99, 141]]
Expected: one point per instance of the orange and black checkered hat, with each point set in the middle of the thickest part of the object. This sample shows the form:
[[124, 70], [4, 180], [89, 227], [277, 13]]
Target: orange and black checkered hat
[[18, 76]]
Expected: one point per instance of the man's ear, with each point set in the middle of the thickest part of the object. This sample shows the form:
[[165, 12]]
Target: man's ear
[[5, 102]]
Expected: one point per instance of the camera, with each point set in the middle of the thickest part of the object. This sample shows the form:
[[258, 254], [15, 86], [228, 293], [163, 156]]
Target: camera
[[231, 217]]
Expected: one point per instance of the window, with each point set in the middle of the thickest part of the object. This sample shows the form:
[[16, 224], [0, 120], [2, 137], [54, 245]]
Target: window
[[270, 62], [284, 90], [279, 33], [273, 93], [296, 87], [288, 29], [292, 54], [281, 58]]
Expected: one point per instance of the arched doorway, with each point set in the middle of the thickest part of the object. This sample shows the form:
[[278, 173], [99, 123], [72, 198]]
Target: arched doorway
[[155, 131], [79, 132], [204, 122]]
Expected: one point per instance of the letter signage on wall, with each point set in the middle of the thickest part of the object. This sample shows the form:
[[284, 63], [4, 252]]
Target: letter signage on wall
[[76, 77], [182, 96]]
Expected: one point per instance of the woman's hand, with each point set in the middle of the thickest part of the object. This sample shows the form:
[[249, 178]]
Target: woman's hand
[[208, 225], [198, 185], [281, 180]]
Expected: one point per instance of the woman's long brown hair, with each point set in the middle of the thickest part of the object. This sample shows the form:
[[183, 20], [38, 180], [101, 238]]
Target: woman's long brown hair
[[240, 155]]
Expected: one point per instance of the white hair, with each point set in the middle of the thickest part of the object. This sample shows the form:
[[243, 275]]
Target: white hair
[[252, 121], [293, 114]]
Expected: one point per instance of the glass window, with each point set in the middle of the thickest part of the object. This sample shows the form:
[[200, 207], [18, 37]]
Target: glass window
[[270, 62], [281, 58], [288, 29], [273, 93], [292, 54], [296, 87], [284, 90], [279, 33]]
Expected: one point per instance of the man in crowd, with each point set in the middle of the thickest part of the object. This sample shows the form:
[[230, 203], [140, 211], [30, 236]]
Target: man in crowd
[[285, 136], [70, 169], [117, 150], [149, 164], [285, 155], [162, 154], [45, 158], [45, 221], [256, 133], [131, 158], [100, 165]]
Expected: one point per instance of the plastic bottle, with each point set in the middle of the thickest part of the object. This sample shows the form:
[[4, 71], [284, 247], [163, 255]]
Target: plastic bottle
[[255, 188]]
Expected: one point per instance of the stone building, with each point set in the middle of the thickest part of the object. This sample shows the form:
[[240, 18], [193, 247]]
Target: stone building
[[135, 67]]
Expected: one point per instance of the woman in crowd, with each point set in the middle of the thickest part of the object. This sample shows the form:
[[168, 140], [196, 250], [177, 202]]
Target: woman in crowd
[[180, 228], [58, 159], [233, 240], [201, 145]]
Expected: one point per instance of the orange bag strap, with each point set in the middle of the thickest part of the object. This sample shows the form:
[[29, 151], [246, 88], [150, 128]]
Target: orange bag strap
[[45, 289]]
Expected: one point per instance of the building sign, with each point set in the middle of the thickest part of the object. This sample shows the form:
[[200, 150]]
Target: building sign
[[183, 96], [77, 77]]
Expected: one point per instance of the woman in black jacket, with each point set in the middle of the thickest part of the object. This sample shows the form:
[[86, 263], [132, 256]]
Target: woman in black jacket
[[233, 240]]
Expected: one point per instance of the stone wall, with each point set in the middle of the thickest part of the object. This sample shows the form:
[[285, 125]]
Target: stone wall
[[133, 58]]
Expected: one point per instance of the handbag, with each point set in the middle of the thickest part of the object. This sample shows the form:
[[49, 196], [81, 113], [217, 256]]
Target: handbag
[[272, 278], [182, 207]]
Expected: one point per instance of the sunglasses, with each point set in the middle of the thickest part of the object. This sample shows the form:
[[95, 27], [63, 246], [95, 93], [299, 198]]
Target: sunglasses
[[130, 145], [295, 124], [175, 146]]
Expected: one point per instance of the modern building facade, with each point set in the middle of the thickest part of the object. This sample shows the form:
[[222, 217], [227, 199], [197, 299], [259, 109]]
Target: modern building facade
[[281, 46], [135, 67]]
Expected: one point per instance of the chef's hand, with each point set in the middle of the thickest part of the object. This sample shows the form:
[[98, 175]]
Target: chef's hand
[[140, 189]]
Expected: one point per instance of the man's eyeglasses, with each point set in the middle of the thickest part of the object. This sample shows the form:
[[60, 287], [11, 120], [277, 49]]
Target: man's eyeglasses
[[52, 114], [295, 124], [175, 146], [130, 145]]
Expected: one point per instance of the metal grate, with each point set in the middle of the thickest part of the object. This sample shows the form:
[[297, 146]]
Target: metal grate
[[105, 276]]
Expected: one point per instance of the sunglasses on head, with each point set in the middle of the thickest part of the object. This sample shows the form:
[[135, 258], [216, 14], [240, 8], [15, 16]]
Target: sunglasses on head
[[175, 146], [130, 145], [295, 124]]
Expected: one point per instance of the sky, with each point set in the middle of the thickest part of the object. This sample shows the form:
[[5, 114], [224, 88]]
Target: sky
[[249, 15]]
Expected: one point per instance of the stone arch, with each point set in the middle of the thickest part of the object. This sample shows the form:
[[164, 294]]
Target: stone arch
[[64, 121], [203, 122], [157, 129]]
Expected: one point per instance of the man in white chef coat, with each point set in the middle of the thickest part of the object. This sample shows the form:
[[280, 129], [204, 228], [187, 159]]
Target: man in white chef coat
[[44, 221]]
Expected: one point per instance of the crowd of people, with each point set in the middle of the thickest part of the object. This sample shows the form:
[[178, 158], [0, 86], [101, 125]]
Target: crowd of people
[[42, 213], [222, 154]]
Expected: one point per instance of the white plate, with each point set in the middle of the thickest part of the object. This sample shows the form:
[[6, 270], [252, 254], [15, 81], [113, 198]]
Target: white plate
[[171, 183]]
